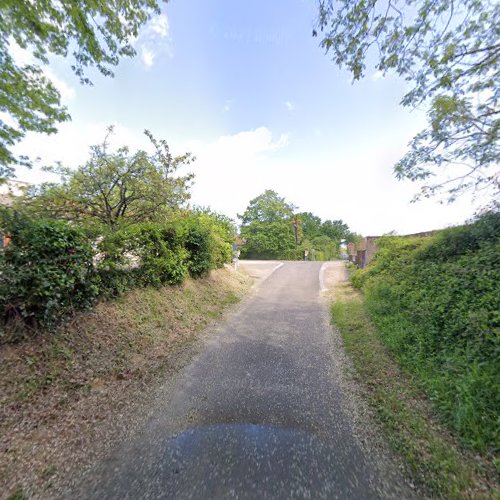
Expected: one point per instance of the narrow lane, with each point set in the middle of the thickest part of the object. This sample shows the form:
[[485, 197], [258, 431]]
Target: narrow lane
[[258, 414]]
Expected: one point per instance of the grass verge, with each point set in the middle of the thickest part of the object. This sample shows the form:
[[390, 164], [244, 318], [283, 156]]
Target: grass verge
[[59, 390], [433, 457]]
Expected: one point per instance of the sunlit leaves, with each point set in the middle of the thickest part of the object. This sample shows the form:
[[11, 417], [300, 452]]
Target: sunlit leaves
[[90, 33], [449, 51], [116, 188]]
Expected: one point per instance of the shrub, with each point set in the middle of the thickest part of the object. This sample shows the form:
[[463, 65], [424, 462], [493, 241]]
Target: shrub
[[436, 302], [198, 243], [144, 254], [207, 239], [46, 270], [51, 268]]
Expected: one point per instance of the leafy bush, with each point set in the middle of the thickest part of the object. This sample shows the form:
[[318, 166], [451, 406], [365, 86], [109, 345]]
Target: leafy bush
[[145, 254], [115, 271], [436, 302], [51, 267], [153, 254], [207, 238], [46, 270], [288, 255], [198, 243]]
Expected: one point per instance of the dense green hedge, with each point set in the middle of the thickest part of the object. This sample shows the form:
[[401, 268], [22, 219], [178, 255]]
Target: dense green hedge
[[436, 302], [206, 240], [46, 272], [141, 255], [52, 268]]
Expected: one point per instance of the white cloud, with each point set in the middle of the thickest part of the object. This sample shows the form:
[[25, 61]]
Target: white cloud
[[147, 57], [227, 106], [21, 56], [68, 93], [234, 168], [289, 105], [229, 171], [250, 143], [356, 185], [71, 146], [159, 25], [154, 40], [378, 75]]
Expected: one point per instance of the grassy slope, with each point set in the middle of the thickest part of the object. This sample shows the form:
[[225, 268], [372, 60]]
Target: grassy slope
[[434, 459], [134, 338]]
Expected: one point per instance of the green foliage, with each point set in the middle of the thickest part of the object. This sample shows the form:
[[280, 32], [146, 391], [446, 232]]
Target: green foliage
[[432, 458], [267, 240], [310, 225], [436, 302], [449, 52], [336, 230], [97, 34], [46, 271], [267, 207], [267, 227], [326, 248], [114, 189], [209, 240], [51, 268], [144, 254], [198, 243], [154, 254], [273, 231]]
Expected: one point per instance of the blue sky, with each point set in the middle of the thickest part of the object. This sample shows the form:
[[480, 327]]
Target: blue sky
[[245, 87]]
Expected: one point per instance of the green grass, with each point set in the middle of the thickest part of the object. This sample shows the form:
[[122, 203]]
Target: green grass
[[436, 303], [17, 495], [433, 458]]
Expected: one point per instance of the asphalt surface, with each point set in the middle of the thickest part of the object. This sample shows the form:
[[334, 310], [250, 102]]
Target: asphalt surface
[[257, 414]]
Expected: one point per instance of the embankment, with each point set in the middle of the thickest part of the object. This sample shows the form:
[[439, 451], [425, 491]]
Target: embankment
[[67, 396]]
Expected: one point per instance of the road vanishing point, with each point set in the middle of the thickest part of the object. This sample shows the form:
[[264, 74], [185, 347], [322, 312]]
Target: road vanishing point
[[258, 413]]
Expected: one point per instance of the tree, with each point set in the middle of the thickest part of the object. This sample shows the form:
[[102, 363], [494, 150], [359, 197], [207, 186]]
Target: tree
[[335, 229], [267, 207], [113, 189], [330, 249], [449, 51], [311, 225], [97, 34], [267, 226]]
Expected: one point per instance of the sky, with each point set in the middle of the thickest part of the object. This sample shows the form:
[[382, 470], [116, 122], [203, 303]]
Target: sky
[[246, 88]]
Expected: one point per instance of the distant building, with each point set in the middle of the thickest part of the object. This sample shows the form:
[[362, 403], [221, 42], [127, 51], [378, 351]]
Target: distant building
[[367, 247]]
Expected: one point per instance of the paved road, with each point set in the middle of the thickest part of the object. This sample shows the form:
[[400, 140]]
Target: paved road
[[258, 414]]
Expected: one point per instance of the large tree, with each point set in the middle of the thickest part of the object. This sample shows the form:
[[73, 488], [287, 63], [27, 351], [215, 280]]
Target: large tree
[[336, 230], [267, 226], [310, 224], [448, 51], [115, 188], [87, 32]]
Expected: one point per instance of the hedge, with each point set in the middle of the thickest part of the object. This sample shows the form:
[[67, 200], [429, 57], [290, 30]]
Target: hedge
[[46, 272], [436, 303], [52, 268]]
